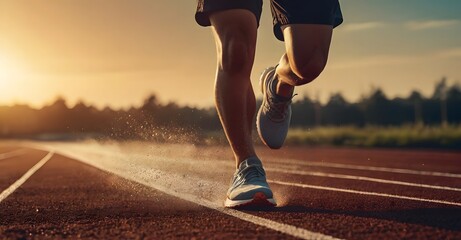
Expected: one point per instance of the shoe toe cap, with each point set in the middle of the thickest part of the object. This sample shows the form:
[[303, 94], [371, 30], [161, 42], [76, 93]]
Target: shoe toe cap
[[248, 191]]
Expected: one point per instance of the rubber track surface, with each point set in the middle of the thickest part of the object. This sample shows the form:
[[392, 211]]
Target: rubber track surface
[[69, 199]]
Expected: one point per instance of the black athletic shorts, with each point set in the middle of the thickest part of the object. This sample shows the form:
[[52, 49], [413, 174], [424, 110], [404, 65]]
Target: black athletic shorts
[[284, 12]]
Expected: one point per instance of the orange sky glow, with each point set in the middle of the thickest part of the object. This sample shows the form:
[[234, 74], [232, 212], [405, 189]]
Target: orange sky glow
[[115, 53]]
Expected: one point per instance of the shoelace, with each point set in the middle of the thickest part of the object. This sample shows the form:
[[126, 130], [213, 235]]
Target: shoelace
[[277, 109], [250, 173]]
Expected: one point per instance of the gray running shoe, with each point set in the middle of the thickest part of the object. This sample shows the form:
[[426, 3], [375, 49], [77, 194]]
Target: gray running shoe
[[274, 115], [249, 186]]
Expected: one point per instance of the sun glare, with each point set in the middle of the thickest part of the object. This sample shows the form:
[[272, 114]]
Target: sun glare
[[9, 72]]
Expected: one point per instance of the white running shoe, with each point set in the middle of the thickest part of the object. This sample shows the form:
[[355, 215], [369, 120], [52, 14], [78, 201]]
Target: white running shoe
[[274, 115], [249, 186]]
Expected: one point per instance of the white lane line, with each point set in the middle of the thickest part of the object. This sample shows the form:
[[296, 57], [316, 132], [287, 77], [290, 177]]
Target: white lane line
[[277, 226], [284, 169], [365, 193], [26, 176], [377, 169], [280, 227], [139, 174], [360, 178], [12, 154]]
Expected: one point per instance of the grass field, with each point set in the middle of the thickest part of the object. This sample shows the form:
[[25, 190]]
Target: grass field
[[408, 136], [448, 137]]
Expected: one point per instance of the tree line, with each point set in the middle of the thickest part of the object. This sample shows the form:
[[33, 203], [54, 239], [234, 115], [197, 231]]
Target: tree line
[[157, 121]]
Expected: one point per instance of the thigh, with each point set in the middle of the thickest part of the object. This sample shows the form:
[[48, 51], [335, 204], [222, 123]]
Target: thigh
[[235, 33], [234, 24], [207, 7], [307, 44], [321, 12]]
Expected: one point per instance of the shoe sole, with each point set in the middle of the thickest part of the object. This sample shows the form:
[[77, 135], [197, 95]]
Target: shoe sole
[[259, 200], [263, 78], [262, 85]]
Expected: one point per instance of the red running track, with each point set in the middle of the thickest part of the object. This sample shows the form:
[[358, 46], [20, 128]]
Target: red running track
[[338, 193]]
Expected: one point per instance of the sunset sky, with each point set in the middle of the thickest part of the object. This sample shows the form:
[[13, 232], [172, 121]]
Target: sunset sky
[[117, 52]]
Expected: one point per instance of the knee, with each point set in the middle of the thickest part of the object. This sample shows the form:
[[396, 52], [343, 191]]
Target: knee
[[237, 57], [308, 69]]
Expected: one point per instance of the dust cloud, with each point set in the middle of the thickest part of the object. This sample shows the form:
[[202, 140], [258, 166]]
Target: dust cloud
[[200, 171]]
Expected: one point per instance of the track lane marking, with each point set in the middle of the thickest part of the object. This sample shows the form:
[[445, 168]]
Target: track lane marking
[[283, 169], [213, 205], [11, 154], [132, 174], [360, 178], [270, 224], [364, 193], [316, 164], [377, 169], [26, 176]]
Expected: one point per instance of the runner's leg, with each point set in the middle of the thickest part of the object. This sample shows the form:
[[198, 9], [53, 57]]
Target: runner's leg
[[307, 47], [306, 27], [235, 34]]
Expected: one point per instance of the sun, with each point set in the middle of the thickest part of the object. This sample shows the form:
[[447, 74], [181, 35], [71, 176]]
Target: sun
[[9, 71], [16, 85], [11, 75]]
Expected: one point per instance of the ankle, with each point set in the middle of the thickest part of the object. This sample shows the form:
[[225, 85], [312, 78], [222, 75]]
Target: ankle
[[283, 90], [242, 158]]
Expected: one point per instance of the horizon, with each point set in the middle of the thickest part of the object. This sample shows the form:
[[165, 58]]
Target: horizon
[[142, 99], [117, 55]]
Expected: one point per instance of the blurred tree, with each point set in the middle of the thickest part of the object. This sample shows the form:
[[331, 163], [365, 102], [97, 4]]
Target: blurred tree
[[303, 113], [154, 120], [440, 94], [55, 118], [339, 112], [416, 99], [376, 108], [454, 104]]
